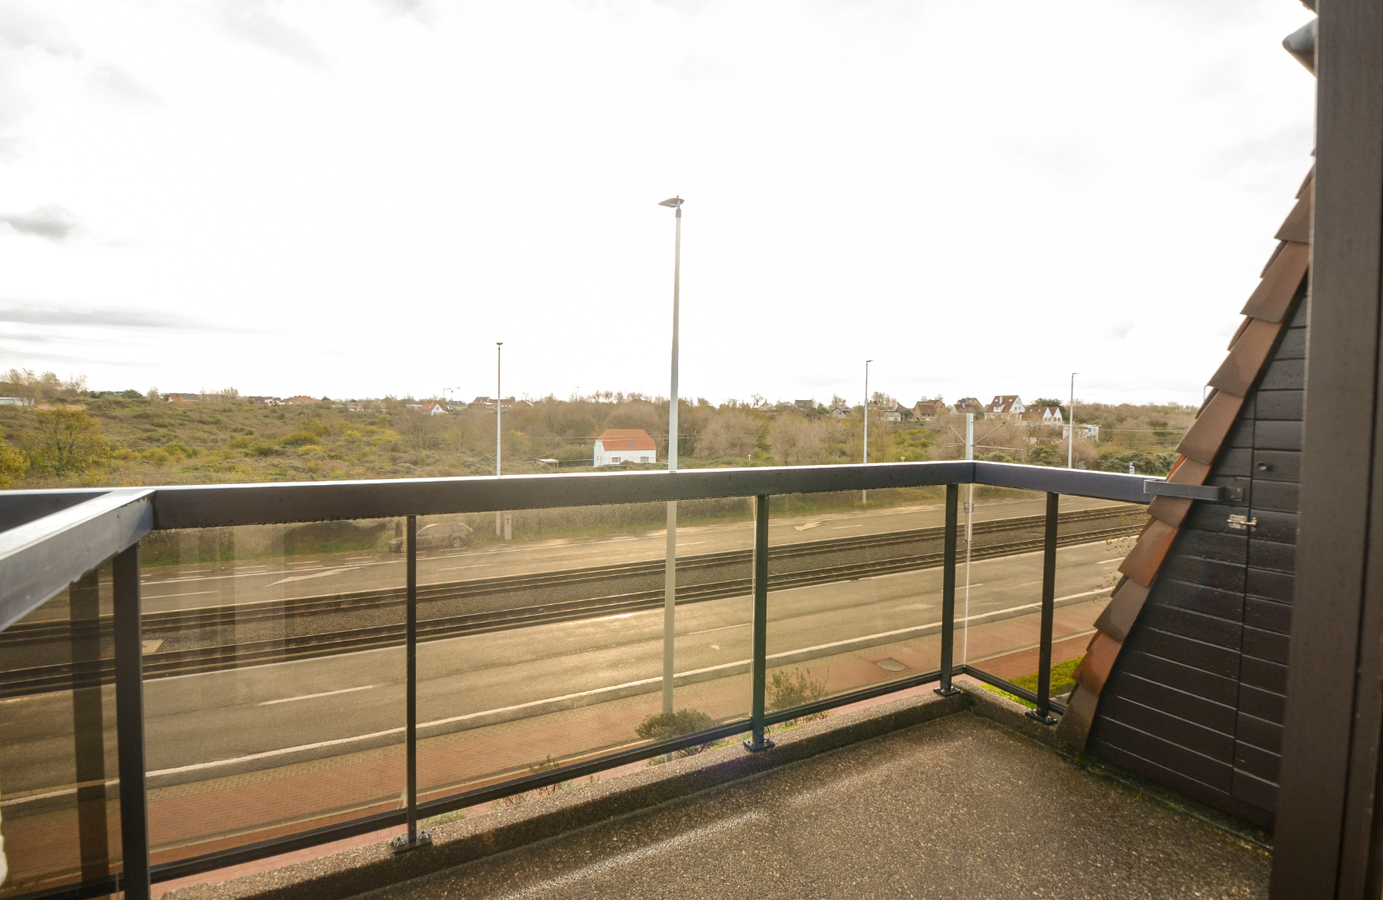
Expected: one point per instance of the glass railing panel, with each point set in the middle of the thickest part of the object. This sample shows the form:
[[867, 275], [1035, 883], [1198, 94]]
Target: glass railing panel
[[547, 648], [854, 591], [1000, 580], [274, 681], [59, 797]]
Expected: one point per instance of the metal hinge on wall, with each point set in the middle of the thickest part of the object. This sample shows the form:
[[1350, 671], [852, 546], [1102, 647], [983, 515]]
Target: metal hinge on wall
[[1242, 523]]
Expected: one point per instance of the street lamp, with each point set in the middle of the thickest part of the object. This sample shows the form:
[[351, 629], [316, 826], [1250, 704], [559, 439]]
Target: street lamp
[[864, 495], [1071, 414], [670, 566], [499, 405]]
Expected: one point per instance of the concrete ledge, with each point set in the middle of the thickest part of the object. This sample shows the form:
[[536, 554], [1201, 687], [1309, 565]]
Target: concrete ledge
[[354, 872]]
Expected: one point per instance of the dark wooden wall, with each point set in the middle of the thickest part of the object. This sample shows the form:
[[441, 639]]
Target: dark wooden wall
[[1195, 700]]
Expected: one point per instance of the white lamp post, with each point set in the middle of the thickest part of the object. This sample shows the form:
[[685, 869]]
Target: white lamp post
[[670, 566], [1071, 436], [864, 495], [499, 405]]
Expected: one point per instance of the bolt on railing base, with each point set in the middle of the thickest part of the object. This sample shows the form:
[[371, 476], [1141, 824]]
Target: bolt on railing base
[[1039, 717], [946, 691], [400, 844], [761, 744]]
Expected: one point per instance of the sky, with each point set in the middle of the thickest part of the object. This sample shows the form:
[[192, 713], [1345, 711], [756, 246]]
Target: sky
[[359, 198]]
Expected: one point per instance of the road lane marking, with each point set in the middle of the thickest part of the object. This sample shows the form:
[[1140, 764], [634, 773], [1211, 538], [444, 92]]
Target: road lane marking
[[838, 527], [454, 568], [170, 596], [805, 526], [365, 687], [314, 575]]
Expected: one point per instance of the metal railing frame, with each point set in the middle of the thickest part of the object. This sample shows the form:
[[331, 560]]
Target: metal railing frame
[[55, 538]]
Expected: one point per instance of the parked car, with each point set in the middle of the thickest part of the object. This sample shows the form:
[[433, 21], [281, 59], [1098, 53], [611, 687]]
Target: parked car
[[438, 536]]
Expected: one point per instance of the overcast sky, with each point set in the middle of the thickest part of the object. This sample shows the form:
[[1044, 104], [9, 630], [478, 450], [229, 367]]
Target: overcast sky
[[358, 198]]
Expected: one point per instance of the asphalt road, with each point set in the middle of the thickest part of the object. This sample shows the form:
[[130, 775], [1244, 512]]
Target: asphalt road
[[207, 725]]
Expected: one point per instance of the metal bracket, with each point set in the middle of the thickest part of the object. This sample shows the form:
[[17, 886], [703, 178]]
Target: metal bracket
[[400, 844], [946, 692], [755, 748], [1212, 493], [1242, 523], [1038, 717]]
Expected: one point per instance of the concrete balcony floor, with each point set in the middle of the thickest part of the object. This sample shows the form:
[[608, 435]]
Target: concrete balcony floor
[[962, 805]]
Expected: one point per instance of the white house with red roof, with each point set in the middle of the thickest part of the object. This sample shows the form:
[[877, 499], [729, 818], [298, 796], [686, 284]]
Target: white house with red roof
[[617, 446]]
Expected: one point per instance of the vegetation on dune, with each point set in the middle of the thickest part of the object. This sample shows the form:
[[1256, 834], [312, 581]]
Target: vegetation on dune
[[73, 436]]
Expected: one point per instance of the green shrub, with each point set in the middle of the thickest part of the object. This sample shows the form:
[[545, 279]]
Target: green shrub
[[795, 688], [666, 726]]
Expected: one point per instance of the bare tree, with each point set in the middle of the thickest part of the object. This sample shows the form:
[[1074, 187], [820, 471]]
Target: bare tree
[[730, 433]]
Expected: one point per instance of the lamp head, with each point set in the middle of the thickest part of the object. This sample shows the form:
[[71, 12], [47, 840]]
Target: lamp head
[[672, 202]]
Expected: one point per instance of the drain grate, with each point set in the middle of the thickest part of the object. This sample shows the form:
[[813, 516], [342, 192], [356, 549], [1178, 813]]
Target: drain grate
[[890, 665]]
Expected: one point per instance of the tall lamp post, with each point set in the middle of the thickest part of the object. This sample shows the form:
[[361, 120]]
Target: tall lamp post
[[864, 495], [499, 406], [670, 566], [1071, 435]]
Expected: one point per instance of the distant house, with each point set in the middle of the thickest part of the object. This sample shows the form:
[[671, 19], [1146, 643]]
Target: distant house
[[804, 405], [1089, 432], [489, 403], [265, 401], [428, 409], [16, 401], [1048, 415], [1005, 406], [928, 409], [300, 400], [183, 398], [896, 414], [840, 412], [625, 445], [969, 405]]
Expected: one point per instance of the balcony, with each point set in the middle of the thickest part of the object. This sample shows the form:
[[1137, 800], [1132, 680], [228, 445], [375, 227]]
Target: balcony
[[263, 685]]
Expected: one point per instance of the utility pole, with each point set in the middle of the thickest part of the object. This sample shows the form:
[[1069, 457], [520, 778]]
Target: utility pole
[[864, 495], [1071, 433], [969, 533], [499, 405]]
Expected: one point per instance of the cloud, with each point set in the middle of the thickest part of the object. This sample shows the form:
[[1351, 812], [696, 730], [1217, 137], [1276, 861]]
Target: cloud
[[51, 222], [251, 21], [101, 318]]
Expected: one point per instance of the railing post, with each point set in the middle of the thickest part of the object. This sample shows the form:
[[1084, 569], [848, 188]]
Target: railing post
[[129, 726], [413, 839], [759, 628], [948, 593], [1043, 713], [88, 725]]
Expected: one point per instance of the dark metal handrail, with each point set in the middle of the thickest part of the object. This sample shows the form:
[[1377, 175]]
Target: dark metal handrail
[[67, 534]]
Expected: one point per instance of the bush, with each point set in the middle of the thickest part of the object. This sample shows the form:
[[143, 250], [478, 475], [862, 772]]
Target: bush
[[795, 688], [666, 726]]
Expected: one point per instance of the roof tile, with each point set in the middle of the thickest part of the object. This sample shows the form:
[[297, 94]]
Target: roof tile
[[1074, 726], [1297, 227], [1203, 441], [1146, 557], [1123, 609], [1246, 358], [1093, 670], [1188, 471], [1279, 285], [1169, 509]]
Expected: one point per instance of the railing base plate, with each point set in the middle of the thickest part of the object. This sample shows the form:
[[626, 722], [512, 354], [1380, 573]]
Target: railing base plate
[[752, 747], [400, 844], [1038, 717], [946, 692]]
